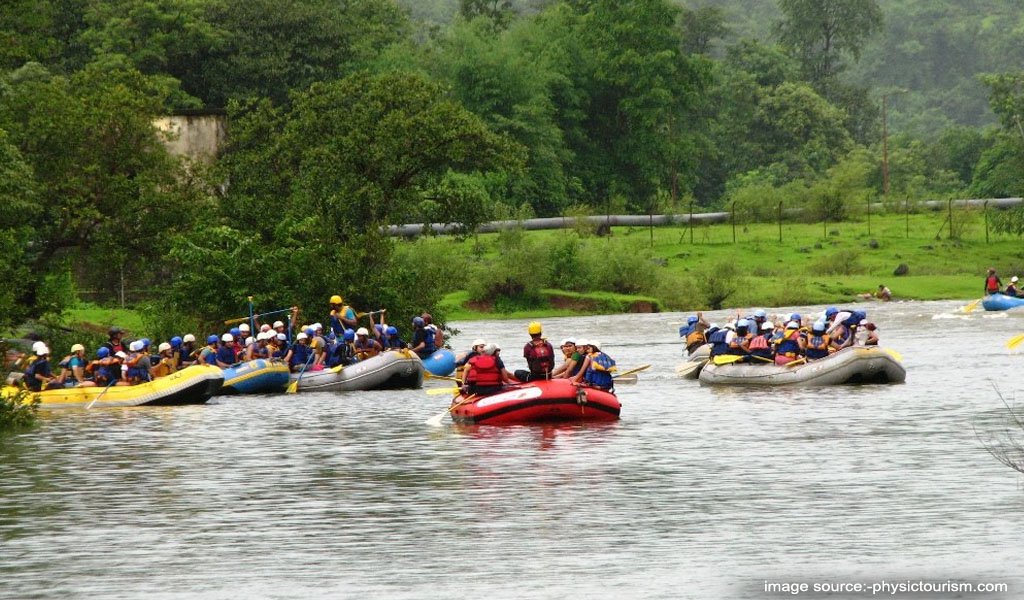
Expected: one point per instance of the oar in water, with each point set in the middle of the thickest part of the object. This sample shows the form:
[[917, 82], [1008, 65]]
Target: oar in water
[[435, 421], [1015, 341], [685, 368], [294, 386], [439, 391], [100, 395], [429, 375], [973, 305], [624, 379]]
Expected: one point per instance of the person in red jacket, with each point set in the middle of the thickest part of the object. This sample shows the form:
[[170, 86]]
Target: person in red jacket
[[539, 355], [484, 373], [992, 283]]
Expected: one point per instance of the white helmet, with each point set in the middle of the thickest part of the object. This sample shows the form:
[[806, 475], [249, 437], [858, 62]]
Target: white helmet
[[78, 348], [36, 346], [490, 348], [120, 354], [243, 327], [264, 327], [227, 337], [163, 346], [42, 350], [594, 344], [282, 337], [362, 331], [767, 326], [301, 336], [278, 324], [317, 326], [188, 338], [135, 346], [250, 341], [479, 342]]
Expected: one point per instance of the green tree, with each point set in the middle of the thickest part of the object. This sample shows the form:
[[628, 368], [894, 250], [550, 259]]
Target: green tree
[[19, 206], [822, 33], [498, 12], [701, 27]]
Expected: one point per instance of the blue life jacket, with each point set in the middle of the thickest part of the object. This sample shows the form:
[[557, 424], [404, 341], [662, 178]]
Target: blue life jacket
[[717, 341], [336, 325], [817, 347], [300, 354], [685, 330], [392, 342], [30, 374], [226, 355], [599, 373]]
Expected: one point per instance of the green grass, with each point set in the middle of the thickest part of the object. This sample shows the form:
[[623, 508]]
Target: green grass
[[126, 318]]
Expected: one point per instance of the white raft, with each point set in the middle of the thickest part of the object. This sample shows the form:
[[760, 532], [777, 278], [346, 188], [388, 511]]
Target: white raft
[[691, 367], [394, 369], [848, 366]]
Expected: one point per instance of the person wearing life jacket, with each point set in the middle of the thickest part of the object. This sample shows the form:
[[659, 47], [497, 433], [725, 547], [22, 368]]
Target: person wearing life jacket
[[105, 367], [166, 363], [757, 321], [718, 342], [38, 374], [365, 347], [475, 350], [390, 339], [280, 346], [790, 346], [1011, 290], [188, 354], [818, 345], [138, 363], [422, 338], [695, 332], [113, 342], [992, 283], [438, 332], [227, 353], [573, 361], [259, 349], [761, 346], [539, 355], [72, 368], [484, 373], [597, 368], [739, 345], [299, 354], [244, 333], [208, 353]]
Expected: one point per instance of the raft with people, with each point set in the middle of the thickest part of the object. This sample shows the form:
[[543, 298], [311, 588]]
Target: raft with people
[[694, 363], [542, 401], [851, 365], [1000, 301], [256, 377], [391, 370], [191, 385]]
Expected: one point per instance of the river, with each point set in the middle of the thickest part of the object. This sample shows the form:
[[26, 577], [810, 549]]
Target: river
[[695, 493]]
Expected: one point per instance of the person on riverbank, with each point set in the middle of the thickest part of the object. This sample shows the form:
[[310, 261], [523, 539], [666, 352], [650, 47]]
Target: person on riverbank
[[992, 282], [539, 355], [1011, 290], [884, 293], [572, 364]]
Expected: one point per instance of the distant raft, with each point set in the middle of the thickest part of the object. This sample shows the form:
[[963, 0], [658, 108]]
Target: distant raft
[[1001, 302], [256, 377], [440, 363], [391, 370], [192, 385], [691, 367], [848, 366]]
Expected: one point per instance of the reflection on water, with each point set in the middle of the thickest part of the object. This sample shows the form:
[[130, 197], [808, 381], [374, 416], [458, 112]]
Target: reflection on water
[[695, 493]]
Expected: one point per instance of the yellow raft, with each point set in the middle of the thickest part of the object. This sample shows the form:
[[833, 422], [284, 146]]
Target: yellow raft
[[192, 385]]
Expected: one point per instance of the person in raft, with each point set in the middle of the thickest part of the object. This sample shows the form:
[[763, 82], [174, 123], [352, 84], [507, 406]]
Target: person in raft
[[694, 332], [484, 373], [992, 283], [341, 316], [1011, 290], [38, 374], [597, 368], [539, 355], [573, 361]]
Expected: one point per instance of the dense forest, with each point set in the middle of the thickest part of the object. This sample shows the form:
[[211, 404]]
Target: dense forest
[[348, 115]]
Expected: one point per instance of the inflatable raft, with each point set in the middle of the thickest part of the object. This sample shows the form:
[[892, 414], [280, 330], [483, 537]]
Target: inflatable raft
[[848, 366], [192, 385], [691, 367], [255, 377], [391, 370], [441, 362], [555, 400], [1001, 302]]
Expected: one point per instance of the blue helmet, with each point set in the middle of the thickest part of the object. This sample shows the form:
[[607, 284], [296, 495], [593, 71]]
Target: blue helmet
[[742, 323], [213, 339], [235, 332], [145, 342], [379, 328], [418, 321], [818, 327], [392, 330], [349, 335], [175, 342], [103, 352], [760, 314], [691, 320], [831, 311], [795, 317], [309, 331]]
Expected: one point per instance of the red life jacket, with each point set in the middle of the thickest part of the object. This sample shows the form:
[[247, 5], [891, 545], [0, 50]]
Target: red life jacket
[[992, 283], [484, 370], [540, 357]]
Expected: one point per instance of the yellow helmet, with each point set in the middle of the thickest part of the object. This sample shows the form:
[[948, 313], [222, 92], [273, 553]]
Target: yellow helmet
[[533, 328], [335, 299]]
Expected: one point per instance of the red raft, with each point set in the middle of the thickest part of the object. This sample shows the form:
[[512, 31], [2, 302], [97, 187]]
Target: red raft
[[556, 400]]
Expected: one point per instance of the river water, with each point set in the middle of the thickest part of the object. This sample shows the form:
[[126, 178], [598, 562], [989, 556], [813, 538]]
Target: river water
[[695, 493]]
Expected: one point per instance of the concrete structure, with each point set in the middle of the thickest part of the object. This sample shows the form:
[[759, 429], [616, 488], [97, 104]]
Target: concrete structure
[[196, 136]]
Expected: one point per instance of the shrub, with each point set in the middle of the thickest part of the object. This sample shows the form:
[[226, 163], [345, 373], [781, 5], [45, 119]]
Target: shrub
[[843, 262], [717, 283], [516, 277], [17, 411], [619, 266]]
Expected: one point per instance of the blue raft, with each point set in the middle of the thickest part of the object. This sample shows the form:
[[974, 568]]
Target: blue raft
[[440, 363], [255, 377], [1001, 302]]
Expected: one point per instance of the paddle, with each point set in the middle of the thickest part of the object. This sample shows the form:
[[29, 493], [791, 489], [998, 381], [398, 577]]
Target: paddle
[[294, 386], [100, 395], [429, 375], [797, 362], [631, 371], [973, 305], [262, 314], [727, 359], [630, 379], [440, 391], [689, 366], [1015, 341], [435, 421]]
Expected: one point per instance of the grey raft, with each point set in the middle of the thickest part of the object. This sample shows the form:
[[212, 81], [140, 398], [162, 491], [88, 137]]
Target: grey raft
[[848, 366], [691, 367], [391, 370]]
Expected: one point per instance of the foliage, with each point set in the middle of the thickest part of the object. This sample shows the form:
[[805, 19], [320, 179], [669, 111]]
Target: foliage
[[516, 276], [716, 283], [18, 411]]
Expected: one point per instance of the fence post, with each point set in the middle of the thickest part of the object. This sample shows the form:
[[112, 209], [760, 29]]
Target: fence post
[[906, 207], [869, 216], [691, 222], [985, 210], [780, 222], [950, 203], [732, 212]]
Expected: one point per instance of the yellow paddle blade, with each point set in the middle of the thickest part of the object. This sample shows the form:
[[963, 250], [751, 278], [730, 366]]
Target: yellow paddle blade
[[636, 370], [439, 391], [429, 375], [973, 305], [894, 354], [1015, 341], [292, 387], [797, 362], [726, 359]]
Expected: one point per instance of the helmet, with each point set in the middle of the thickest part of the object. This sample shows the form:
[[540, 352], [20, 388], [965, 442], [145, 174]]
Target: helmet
[[264, 327], [301, 336], [145, 343], [163, 346], [582, 343], [335, 299], [349, 335], [42, 350], [792, 325], [533, 328], [479, 342], [102, 352], [742, 323], [244, 327], [135, 346], [691, 320], [188, 338], [120, 354], [227, 337], [362, 331], [309, 331], [250, 341], [818, 327], [418, 321], [114, 331], [760, 314], [278, 324], [213, 339], [830, 311], [490, 348], [392, 330], [317, 327], [37, 345], [175, 341], [1012, 279], [235, 332], [282, 337], [795, 317], [767, 326], [78, 348]]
